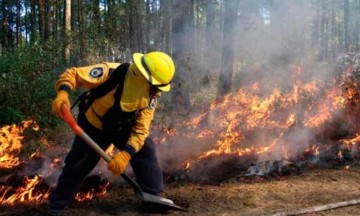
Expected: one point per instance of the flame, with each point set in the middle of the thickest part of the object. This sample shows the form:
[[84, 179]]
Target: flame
[[31, 189], [171, 131], [23, 193], [251, 111], [35, 155], [10, 143], [313, 150], [340, 156], [187, 166], [83, 197], [205, 133], [101, 191], [351, 141], [254, 121]]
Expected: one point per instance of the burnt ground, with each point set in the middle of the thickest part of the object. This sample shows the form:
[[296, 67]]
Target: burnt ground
[[252, 196]]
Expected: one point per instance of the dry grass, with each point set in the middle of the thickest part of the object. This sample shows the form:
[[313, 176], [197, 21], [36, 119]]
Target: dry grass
[[316, 187]]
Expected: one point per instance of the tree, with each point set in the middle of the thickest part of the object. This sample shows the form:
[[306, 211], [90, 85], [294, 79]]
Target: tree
[[82, 32], [181, 42], [357, 25], [67, 30], [48, 19], [56, 20], [227, 58], [41, 19], [315, 22], [210, 42], [96, 12], [18, 23], [165, 32], [4, 25], [346, 25], [33, 35], [137, 42], [323, 32]]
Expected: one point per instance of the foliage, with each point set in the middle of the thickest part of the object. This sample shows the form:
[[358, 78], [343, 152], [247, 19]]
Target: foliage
[[26, 84]]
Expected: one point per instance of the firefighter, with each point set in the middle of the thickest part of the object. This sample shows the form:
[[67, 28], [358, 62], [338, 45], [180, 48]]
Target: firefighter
[[119, 113]]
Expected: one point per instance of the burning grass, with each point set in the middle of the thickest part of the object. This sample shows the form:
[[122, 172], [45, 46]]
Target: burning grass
[[30, 180], [248, 198], [264, 129]]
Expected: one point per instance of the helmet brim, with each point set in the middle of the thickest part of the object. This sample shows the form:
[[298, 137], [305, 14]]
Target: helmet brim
[[137, 60]]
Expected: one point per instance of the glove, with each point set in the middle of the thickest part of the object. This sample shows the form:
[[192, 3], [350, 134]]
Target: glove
[[61, 98], [119, 162]]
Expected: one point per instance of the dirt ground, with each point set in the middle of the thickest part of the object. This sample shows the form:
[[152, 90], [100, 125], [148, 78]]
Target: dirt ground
[[252, 197]]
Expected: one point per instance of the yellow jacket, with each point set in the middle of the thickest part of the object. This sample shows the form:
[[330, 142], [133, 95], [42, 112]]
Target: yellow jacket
[[135, 96]]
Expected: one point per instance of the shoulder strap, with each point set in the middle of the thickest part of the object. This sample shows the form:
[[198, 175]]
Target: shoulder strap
[[116, 76]]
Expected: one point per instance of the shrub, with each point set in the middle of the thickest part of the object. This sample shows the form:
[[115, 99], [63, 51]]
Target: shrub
[[27, 76]]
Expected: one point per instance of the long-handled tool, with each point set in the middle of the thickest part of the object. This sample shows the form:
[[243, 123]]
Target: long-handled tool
[[144, 197]]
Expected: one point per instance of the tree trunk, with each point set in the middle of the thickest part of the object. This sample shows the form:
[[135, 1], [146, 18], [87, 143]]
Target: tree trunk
[[67, 30], [149, 26], [323, 32], [97, 18], [18, 23], [346, 25], [210, 41], [165, 8], [41, 19], [5, 23], [10, 24], [227, 58], [33, 35], [357, 25], [48, 19], [140, 27], [192, 27], [182, 53], [134, 46], [82, 34], [334, 45], [57, 17], [74, 16], [26, 22], [315, 28]]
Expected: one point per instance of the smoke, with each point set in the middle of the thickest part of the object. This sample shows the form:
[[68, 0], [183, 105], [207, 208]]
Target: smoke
[[273, 49]]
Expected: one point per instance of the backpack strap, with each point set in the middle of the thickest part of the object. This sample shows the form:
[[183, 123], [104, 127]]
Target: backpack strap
[[115, 77], [87, 98]]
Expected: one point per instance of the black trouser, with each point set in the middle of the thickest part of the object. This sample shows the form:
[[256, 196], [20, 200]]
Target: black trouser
[[81, 160]]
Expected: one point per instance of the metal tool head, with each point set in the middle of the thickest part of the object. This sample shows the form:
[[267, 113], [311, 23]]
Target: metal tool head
[[159, 203]]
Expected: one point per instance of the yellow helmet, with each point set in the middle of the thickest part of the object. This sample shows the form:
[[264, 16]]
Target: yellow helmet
[[157, 67]]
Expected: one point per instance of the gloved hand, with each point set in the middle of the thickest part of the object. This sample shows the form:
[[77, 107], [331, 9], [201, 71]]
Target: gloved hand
[[61, 98], [119, 162]]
